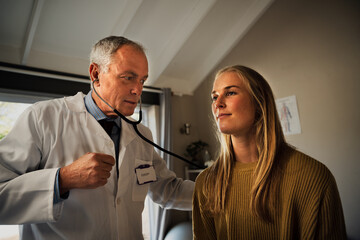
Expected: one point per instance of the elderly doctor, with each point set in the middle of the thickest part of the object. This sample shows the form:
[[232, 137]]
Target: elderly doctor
[[62, 176]]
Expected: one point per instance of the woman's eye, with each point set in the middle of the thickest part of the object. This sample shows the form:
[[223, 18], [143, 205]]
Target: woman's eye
[[230, 93], [213, 98]]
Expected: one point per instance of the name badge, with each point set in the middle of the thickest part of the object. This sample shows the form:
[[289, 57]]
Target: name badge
[[145, 174]]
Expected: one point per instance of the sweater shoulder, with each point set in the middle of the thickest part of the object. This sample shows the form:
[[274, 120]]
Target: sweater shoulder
[[200, 179], [302, 166], [202, 174]]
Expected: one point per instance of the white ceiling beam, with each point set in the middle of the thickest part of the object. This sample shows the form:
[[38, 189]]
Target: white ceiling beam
[[31, 29], [177, 40], [126, 16]]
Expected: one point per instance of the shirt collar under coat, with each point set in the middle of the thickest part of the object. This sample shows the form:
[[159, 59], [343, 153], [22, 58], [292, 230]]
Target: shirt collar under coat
[[96, 112], [76, 104]]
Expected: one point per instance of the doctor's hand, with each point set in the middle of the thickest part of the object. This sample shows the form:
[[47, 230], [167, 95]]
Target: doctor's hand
[[89, 171]]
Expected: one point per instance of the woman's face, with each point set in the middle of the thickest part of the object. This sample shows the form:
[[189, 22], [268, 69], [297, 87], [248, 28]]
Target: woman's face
[[232, 106]]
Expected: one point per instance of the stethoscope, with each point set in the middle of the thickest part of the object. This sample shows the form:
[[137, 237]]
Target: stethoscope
[[135, 123]]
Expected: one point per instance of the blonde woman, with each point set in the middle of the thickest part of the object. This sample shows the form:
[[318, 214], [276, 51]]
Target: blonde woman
[[260, 187]]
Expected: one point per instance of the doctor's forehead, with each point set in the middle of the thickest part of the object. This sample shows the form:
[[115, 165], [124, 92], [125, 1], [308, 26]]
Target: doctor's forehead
[[130, 60]]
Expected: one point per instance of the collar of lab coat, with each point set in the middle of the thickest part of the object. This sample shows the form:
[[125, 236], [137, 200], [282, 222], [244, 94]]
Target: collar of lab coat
[[76, 104]]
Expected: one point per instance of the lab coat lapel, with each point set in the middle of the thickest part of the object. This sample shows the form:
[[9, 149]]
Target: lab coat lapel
[[127, 136]]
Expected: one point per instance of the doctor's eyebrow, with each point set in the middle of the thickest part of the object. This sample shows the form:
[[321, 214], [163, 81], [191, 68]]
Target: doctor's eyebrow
[[128, 73], [133, 74]]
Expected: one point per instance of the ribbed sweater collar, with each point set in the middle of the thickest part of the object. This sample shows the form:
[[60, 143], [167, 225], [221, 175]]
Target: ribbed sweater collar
[[238, 166]]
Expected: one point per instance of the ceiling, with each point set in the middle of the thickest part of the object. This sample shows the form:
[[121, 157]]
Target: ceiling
[[184, 39]]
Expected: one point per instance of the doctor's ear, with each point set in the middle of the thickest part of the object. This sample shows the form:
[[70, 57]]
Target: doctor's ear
[[94, 72]]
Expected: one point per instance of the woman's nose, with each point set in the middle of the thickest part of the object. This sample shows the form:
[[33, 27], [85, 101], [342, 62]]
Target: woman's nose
[[219, 103]]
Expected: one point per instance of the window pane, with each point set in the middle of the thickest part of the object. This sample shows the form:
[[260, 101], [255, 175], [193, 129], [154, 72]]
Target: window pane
[[9, 112], [9, 232]]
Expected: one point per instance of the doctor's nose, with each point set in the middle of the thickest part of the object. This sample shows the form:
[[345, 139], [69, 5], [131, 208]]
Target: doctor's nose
[[137, 89]]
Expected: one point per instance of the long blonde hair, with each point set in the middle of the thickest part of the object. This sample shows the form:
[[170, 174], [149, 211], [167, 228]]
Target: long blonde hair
[[269, 139]]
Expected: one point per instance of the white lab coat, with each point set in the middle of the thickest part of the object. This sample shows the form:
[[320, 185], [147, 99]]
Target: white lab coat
[[52, 134]]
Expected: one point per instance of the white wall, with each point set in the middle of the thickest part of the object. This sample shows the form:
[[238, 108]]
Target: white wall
[[310, 49]]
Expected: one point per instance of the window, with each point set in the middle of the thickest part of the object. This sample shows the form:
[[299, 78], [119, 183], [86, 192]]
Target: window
[[9, 232], [9, 112]]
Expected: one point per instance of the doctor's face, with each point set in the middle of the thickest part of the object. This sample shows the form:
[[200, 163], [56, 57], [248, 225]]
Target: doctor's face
[[121, 86]]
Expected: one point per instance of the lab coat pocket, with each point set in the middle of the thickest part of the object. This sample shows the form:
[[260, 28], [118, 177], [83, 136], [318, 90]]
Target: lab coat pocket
[[139, 190]]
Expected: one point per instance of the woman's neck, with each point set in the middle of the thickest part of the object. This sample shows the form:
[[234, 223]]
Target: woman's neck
[[245, 148]]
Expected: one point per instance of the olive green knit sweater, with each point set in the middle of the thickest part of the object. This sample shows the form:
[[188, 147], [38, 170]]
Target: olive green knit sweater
[[308, 205]]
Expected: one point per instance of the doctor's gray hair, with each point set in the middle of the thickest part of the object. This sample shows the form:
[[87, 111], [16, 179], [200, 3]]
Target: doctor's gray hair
[[103, 50]]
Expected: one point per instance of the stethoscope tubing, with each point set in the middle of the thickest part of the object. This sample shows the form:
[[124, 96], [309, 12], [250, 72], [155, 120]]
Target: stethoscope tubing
[[135, 123]]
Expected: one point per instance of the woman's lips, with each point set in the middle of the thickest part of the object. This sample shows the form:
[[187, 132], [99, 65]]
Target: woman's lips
[[223, 115]]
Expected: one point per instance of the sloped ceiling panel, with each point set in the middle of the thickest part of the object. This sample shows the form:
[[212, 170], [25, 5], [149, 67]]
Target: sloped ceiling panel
[[184, 39]]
